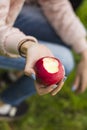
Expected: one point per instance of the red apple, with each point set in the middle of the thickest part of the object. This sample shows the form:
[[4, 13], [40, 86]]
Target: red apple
[[49, 70]]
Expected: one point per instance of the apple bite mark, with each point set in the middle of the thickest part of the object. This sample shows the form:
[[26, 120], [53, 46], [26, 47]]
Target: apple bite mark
[[51, 65], [49, 71]]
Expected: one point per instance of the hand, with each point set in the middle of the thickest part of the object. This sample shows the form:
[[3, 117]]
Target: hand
[[53, 89], [33, 53], [80, 83]]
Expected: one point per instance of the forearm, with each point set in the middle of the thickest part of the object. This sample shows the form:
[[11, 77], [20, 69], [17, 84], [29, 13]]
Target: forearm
[[10, 40], [10, 36], [66, 24]]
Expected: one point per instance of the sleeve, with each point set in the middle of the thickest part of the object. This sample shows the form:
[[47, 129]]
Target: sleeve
[[10, 36], [66, 24]]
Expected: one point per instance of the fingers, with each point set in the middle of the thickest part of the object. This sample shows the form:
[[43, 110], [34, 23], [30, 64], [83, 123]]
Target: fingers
[[29, 67], [42, 90], [80, 84], [76, 83], [57, 89], [59, 86], [53, 90]]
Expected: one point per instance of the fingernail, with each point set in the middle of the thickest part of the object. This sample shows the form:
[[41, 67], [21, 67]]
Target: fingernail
[[53, 94], [64, 79], [33, 76], [54, 86], [73, 88]]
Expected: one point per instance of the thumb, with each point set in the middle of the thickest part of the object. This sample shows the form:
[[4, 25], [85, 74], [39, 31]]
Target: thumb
[[29, 67], [29, 71]]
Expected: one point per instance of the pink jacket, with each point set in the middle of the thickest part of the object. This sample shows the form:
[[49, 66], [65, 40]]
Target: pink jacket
[[58, 12]]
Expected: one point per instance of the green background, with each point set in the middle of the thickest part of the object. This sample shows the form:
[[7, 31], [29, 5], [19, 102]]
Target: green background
[[65, 111]]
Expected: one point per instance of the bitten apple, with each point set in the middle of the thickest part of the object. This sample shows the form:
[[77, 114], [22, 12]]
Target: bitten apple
[[49, 70]]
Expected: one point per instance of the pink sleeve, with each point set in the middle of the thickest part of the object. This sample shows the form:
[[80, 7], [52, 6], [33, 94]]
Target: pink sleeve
[[66, 24], [10, 36]]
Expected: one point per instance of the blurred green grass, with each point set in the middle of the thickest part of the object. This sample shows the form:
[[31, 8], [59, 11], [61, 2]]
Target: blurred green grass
[[65, 111]]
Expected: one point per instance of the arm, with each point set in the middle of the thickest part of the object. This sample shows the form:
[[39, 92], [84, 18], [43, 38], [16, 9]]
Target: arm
[[61, 16], [66, 24], [10, 36]]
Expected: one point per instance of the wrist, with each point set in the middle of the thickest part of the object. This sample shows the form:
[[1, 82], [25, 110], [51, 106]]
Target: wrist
[[24, 45], [84, 54]]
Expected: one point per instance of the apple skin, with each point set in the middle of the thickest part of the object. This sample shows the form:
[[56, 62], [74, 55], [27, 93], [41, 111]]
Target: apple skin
[[47, 78]]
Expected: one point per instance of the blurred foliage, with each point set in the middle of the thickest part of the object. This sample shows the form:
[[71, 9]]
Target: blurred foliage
[[82, 12], [65, 111]]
